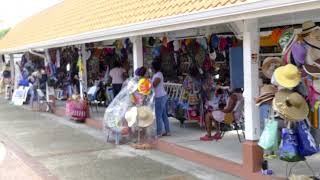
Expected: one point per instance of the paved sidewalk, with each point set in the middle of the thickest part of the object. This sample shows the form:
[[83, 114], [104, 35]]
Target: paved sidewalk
[[44, 146]]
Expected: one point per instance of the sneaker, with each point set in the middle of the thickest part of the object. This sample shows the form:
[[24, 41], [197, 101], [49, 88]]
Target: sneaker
[[206, 138]]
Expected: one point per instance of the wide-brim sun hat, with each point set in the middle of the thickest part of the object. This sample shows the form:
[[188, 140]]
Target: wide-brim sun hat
[[269, 65], [287, 76], [286, 38], [286, 53], [267, 89], [264, 99], [131, 116], [308, 27], [145, 116], [290, 105], [267, 92], [312, 42], [312, 70], [316, 84]]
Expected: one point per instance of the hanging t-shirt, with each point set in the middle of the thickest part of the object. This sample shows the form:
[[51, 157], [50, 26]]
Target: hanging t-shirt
[[117, 75], [159, 91]]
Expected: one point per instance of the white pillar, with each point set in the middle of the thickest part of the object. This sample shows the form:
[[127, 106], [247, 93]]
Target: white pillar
[[12, 70], [85, 57], [251, 46], [47, 60], [137, 52], [1, 62]]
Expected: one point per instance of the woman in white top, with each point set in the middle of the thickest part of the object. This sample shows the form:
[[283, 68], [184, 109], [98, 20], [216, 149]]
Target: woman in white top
[[117, 75], [161, 99]]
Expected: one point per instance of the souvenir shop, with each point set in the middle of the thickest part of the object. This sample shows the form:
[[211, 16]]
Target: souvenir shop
[[266, 46], [289, 94], [193, 66], [30, 78], [87, 68]]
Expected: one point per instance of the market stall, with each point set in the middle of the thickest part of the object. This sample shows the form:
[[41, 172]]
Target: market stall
[[289, 100], [192, 67]]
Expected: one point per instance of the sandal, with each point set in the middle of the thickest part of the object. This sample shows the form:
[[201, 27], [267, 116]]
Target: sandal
[[217, 136], [206, 138]]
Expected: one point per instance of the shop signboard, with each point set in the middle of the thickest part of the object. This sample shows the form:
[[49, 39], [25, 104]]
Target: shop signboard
[[20, 95], [236, 67]]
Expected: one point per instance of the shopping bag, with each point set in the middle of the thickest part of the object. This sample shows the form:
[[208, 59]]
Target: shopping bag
[[307, 145], [269, 136], [289, 146]]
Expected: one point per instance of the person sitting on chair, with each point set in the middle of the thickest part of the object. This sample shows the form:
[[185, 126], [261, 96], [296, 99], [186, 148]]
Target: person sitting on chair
[[217, 116]]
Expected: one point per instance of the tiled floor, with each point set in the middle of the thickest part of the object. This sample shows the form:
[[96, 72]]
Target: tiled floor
[[228, 148]]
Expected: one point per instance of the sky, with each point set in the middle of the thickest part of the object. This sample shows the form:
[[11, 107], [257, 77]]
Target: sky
[[14, 11]]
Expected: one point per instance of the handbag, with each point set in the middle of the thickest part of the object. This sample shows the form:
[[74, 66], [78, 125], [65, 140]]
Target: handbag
[[307, 145], [228, 118], [269, 136], [289, 146]]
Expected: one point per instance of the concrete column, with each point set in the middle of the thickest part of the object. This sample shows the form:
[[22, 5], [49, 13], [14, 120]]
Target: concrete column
[[137, 52], [1, 62], [12, 69], [47, 60], [85, 57], [251, 78], [252, 153]]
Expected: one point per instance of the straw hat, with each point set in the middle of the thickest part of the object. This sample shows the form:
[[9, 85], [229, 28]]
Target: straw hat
[[287, 76], [286, 38], [269, 65], [312, 70], [131, 116], [291, 105], [145, 116], [316, 85], [313, 46], [287, 51], [308, 26], [267, 92]]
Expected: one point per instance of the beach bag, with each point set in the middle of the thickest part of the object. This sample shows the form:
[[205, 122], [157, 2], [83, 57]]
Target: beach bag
[[307, 145], [269, 136], [289, 146]]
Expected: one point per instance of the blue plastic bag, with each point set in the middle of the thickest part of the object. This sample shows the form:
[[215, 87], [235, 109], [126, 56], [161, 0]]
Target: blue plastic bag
[[269, 136], [307, 145], [289, 146]]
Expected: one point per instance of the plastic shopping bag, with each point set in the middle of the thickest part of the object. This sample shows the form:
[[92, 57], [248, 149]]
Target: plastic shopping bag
[[289, 146], [307, 145], [269, 136]]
